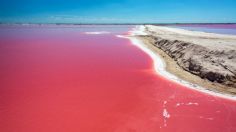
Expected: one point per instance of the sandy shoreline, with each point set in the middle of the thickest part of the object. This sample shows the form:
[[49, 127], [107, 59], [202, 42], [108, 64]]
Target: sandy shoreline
[[167, 67]]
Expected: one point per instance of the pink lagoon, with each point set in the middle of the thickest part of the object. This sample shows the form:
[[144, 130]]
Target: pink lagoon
[[86, 79]]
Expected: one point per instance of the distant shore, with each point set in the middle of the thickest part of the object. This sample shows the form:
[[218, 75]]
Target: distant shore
[[157, 24], [204, 59]]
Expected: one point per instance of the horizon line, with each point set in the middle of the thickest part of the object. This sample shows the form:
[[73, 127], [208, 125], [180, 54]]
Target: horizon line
[[32, 23]]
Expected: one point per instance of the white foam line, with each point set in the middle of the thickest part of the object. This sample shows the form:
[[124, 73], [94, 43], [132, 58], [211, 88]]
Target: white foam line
[[96, 33], [160, 66]]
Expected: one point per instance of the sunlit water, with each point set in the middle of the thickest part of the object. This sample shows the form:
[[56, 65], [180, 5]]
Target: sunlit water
[[67, 79], [211, 28]]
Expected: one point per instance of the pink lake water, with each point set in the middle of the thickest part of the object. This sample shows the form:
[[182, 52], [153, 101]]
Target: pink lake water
[[59, 79]]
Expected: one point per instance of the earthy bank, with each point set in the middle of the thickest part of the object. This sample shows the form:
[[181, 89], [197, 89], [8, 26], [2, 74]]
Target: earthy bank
[[205, 59]]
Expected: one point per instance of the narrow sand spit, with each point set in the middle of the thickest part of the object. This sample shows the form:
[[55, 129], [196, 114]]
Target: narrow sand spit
[[162, 64], [96, 33]]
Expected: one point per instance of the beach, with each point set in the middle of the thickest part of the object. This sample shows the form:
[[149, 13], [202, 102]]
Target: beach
[[205, 61]]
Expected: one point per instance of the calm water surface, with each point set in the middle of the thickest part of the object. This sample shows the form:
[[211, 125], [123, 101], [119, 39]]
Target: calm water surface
[[59, 79], [211, 28]]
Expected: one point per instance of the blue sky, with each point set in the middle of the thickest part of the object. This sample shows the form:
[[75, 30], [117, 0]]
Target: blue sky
[[118, 11]]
